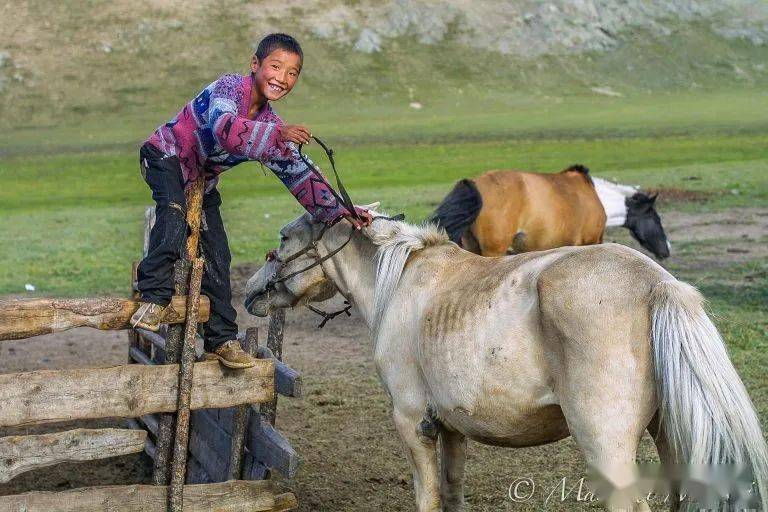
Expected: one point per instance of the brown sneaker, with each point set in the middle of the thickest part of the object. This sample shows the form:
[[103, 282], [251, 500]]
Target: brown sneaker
[[231, 355], [148, 316]]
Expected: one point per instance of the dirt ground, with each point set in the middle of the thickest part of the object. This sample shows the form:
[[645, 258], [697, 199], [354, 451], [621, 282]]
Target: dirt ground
[[351, 455]]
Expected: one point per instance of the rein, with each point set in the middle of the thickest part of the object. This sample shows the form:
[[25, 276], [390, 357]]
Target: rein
[[343, 198]]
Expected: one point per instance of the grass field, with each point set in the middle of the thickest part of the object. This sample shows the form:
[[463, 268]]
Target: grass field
[[73, 206]]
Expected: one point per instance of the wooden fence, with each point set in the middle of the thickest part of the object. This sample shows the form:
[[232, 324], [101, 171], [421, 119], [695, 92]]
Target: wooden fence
[[232, 443], [211, 430]]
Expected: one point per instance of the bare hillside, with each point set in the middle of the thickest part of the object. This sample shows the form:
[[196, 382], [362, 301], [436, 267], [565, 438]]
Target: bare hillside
[[63, 60]]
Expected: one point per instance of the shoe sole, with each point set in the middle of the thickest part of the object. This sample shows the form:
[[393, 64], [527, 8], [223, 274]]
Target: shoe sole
[[230, 364]]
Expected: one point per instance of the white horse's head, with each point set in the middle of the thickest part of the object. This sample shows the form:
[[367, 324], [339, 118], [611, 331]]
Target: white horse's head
[[293, 274]]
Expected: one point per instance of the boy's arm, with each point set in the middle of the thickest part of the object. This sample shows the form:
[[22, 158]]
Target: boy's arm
[[258, 140], [311, 189]]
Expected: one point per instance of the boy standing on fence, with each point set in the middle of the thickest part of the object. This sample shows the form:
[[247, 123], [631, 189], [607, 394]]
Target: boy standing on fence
[[229, 122]]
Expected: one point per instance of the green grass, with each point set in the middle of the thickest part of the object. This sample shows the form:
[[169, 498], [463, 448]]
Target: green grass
[[75, 219], [73, 207]]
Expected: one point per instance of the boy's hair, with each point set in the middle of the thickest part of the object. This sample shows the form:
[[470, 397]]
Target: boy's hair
[[278, 41]]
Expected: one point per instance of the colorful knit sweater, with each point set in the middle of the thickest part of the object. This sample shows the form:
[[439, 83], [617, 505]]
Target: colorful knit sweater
[[212, 133]]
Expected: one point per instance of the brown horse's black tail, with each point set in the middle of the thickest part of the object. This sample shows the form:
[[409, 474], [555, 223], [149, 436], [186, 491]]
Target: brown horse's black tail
[[584, 171], [458, 210]]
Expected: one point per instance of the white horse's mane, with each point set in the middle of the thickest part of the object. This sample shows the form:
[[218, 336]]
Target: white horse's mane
[[396, 241], [613, 196]]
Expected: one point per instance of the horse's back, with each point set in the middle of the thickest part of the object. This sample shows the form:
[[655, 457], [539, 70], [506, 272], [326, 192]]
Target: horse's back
[[530, 211], [499, 336]]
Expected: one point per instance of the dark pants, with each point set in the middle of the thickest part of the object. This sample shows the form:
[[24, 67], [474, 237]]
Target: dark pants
[[167, 243]]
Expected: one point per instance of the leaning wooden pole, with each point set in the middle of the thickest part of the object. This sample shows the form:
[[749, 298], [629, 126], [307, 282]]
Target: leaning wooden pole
[[181, 439], [173, 341], [162, 468]]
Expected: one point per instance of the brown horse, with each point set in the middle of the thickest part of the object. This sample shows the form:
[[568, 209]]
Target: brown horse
[[511, 211], [503, 212]]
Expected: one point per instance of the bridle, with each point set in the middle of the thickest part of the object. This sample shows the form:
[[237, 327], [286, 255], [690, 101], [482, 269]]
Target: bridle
[[310, 247], [346, 201]]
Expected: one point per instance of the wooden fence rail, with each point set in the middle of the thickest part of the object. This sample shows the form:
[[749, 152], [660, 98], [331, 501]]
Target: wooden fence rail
[[19, 454], [25, 318], [257, 495], [125, 391]]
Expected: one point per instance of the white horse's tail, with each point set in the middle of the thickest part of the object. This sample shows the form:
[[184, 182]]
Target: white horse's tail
[[704, 408]]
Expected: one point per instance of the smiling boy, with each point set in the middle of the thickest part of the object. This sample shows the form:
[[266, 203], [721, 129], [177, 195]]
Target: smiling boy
[[229, 122]]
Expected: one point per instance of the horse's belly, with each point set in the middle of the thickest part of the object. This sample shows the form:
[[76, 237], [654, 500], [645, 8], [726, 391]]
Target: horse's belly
[[510, 428]]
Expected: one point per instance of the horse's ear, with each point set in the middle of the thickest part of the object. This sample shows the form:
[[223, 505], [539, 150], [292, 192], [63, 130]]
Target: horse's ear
[[374, 207], [652, 199]]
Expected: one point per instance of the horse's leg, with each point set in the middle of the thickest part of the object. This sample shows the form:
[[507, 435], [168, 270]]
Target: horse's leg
[[493, 238], [453, 447], [607, 416], [667, 457], [421, 453]]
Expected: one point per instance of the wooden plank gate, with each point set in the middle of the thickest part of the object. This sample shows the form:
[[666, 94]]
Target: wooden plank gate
[[225, 442]]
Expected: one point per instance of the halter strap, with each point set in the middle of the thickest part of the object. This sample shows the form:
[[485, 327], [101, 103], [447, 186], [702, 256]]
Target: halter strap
[[342, 196]]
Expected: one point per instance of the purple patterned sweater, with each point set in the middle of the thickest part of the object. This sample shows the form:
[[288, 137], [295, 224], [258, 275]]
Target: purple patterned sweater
[[212, 133]]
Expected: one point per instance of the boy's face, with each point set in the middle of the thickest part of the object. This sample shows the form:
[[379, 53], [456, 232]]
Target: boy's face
[[277, 74]]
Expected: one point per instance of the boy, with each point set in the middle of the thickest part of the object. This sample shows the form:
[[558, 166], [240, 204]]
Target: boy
[[229, 122]]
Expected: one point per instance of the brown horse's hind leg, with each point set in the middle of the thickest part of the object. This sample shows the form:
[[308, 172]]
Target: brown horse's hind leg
[[494, 245], [469, 242]]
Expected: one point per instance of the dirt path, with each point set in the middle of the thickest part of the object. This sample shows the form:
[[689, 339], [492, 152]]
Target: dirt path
[[351, 456]]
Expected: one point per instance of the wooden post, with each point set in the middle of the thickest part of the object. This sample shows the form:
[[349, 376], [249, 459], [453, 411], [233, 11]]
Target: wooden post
[[162, 467], [173, 341], [275, 344], [186, 366], [240, 422], [187, 349]]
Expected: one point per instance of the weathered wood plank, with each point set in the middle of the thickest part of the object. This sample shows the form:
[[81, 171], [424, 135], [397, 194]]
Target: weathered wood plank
[[19, 454], [24, 318], [155, 338], [267, 445], [275, 344], [196, 474], [137, 355], [287, 380], [207, 451], [125, 391], [233, 495], [285, 501], [240, 420], [263, 442], [149, 446]]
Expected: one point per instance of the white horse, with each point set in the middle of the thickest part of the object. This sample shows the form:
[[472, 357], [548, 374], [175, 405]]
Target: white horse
[[597, 342]]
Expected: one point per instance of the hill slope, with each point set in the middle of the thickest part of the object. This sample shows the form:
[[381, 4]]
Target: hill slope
[[126, 60]]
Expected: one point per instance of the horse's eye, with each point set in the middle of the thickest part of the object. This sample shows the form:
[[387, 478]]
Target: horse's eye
[[283, 239]]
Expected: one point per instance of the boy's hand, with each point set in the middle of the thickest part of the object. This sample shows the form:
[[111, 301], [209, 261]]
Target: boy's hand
[[295, 133], [364, 218]]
